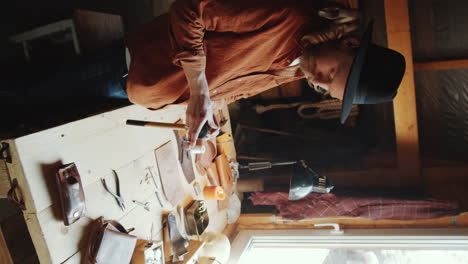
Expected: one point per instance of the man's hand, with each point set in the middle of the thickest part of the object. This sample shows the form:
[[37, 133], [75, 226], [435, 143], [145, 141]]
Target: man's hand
[[200, 107], [344, 20], [199, 112]]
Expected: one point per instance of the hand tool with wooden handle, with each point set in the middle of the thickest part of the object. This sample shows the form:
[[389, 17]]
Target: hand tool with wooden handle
[[203, 132]]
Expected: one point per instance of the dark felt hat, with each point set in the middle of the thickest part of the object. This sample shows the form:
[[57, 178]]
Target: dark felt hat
[[375, 75]]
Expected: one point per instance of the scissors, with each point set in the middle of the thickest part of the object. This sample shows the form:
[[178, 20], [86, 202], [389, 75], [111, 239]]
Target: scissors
[[116, 195]]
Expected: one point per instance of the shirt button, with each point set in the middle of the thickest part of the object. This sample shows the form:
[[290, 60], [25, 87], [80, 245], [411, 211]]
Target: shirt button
[[215, 91], [239, 80], [289, 61]]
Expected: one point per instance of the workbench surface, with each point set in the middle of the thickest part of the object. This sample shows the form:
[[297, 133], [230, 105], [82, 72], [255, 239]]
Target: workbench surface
[[97, 145]]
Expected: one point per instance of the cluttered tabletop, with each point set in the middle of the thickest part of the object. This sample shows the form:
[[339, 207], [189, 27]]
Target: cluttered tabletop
[[121, 187]]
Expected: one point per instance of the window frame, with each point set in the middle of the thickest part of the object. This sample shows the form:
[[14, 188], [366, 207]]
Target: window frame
[[440, 238]]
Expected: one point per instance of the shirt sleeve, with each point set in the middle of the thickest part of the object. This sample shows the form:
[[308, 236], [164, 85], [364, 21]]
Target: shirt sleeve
[[190, 19]]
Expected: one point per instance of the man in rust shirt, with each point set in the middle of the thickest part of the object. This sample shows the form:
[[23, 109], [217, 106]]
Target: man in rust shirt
[[212, 51]]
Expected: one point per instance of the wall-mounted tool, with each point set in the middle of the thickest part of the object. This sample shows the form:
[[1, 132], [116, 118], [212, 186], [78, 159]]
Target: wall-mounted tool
[[253, 166], [117, 194], [71, 193], [305, 180]]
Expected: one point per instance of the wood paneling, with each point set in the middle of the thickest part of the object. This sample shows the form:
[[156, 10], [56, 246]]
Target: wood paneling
[[441, 65], [97, 31], [386, 177], [444, 175], [367, 178]]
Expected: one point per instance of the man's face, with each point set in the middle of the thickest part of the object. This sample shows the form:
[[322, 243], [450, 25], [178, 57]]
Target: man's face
[[328, 65]]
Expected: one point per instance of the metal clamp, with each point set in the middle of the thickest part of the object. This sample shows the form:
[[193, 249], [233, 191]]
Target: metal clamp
[[3, 149]]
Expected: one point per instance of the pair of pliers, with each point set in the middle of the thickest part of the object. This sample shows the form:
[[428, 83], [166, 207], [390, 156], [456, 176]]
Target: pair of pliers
[[116, 195]]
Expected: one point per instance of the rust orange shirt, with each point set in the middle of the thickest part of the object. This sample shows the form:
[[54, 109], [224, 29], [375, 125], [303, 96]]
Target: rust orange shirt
[[245, 47]]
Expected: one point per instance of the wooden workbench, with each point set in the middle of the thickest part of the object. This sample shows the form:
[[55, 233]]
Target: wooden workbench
[[97, 145]]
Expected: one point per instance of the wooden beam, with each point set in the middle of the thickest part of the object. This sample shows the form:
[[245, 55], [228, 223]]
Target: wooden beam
[[406, 126], [268, 221], [456, 174], [441, 65]]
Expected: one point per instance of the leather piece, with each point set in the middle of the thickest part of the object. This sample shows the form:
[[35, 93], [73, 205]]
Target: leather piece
[[204, 160], [116, 247], [224, 172], [185, 158], [109, 242], [166, 157], [71, 193], [225, 144], [212, 173], [226, 179]]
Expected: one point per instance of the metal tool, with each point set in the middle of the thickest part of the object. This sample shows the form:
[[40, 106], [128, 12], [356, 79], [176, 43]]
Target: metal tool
[[117, 194], [196, 218], [144, 205], [179, 244], [184, 153], [305, 180], [253, 166], [203, 133], [156, 124], [156, 186], [223, 120]]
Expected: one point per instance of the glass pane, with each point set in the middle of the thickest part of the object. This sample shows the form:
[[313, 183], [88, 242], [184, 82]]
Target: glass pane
[[424, 256], [351, 256], [347, 256], [285, 255]]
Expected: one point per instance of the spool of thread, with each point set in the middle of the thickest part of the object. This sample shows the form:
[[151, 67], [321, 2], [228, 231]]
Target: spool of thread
[[214, 193], [198, 149]]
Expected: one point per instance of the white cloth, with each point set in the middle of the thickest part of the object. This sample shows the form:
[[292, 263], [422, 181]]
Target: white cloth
[[295, 62]]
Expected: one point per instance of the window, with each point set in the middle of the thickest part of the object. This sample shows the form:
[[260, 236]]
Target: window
[[402, 246]]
